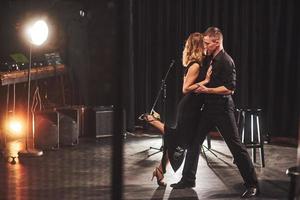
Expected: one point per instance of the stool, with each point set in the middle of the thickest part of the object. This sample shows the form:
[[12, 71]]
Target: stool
[[255, 136], [294, 173]]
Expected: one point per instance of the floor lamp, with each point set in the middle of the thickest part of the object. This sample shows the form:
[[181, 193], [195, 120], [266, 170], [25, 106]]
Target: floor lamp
[[38, 34]]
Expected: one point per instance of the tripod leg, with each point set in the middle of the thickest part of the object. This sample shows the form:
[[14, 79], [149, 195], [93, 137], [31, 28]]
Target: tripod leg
[[204, 154], [210, 150], [159, 150]]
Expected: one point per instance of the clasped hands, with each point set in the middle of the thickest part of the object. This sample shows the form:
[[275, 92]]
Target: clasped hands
[[201, 89], [201, 85]]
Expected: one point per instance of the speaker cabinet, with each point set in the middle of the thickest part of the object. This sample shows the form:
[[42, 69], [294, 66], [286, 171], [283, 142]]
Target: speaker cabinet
[[83, 119], [46, 130], [68, 126], [104, 121]]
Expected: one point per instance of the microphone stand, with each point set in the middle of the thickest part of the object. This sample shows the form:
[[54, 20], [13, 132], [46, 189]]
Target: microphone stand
[[163, 88]]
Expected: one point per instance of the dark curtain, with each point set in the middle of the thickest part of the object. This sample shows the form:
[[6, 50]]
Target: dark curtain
[[260, 36], [72, 29]]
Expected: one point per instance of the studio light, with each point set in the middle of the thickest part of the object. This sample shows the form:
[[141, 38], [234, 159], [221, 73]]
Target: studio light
[[15, 127], [38, 34]]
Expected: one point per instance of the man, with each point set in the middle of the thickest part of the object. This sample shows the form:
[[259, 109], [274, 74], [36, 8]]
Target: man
[[218, 111]]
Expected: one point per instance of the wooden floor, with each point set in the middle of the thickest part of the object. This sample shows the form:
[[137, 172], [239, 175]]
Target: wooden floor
[[84, 172]]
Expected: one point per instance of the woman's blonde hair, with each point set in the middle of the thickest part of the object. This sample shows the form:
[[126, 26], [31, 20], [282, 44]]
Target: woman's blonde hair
[[193, 49]]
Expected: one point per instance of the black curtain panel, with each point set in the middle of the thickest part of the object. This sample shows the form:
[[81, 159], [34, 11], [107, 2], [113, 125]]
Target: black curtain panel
[[260, 36]]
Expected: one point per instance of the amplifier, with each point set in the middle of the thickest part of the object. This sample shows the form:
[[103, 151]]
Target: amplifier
[[104, 118], [68, 126], [46, 130]]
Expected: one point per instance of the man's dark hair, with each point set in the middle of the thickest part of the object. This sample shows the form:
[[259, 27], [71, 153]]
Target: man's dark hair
[[214, 32]]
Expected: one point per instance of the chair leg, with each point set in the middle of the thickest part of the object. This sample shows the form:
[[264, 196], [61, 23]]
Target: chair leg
[[254, 155], [252, 141], [243, 126], [292, 188], [262, 155], [261, 149]]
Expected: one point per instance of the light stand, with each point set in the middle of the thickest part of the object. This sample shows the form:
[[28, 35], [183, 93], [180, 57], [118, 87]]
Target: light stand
[[163, 88], [27, 152], [38, 33]]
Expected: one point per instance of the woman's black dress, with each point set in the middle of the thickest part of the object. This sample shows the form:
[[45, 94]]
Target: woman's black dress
[[178, 138]]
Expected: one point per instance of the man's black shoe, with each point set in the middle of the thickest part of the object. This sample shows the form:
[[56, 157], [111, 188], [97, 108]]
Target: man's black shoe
[[183, 184], [250, 192]]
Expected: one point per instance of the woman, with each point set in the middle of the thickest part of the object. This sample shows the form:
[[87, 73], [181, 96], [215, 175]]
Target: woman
[[188, 111]]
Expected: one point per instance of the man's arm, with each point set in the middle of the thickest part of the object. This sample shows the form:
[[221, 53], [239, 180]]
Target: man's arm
[[229, 82], [217, 90]]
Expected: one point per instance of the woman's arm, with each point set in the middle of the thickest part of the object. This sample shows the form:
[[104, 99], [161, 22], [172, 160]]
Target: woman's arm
[[229, 82], [216, 90], [207, 77], [189, 79]]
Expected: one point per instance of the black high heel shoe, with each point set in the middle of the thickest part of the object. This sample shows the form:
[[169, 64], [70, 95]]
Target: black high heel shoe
[[159, 177]]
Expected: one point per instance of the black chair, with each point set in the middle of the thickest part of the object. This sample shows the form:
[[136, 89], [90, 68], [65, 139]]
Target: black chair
[[248, 120]]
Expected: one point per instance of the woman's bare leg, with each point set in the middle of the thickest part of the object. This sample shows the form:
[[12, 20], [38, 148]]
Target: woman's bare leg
[[156, 123], [160, 170], [165, 159]]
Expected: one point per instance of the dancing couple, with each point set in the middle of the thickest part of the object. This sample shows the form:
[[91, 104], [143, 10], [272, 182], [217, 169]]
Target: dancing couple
[[208, 84]]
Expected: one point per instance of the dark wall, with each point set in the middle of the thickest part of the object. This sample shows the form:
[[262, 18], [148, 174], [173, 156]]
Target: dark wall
[[104, 47], [90, 47], [261, 37]]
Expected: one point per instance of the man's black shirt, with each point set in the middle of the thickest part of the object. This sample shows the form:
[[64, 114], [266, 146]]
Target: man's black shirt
[[223, 72]]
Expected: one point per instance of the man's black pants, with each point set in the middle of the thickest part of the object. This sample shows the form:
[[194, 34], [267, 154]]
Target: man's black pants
[[220, 114]]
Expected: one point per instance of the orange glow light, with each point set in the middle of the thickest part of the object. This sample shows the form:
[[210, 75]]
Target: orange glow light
[[15, 126]]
